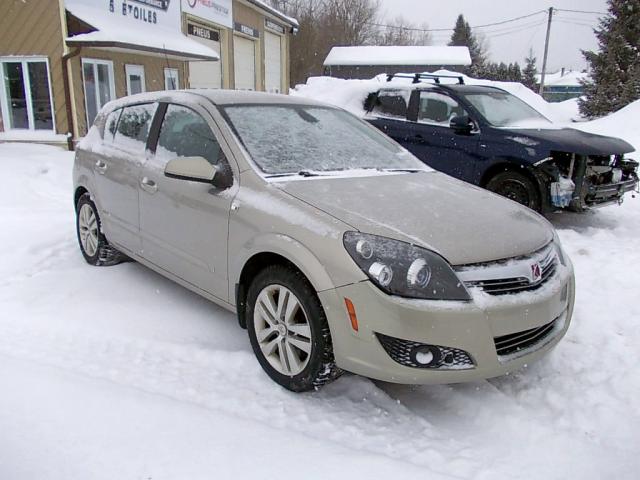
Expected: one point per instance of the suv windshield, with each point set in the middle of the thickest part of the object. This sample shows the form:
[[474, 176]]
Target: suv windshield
[[501, 109], [290, 139]]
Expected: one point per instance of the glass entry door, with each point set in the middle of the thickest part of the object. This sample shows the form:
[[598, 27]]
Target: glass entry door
[[26, 95]]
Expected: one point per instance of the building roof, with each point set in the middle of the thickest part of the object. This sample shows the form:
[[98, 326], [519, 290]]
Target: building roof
[[412, 55], [571, 78], [111, 34], [263, 5]]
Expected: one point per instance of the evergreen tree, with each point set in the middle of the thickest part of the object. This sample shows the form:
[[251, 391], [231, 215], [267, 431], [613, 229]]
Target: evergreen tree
[[463, 37], [529, 72], [615, 68]]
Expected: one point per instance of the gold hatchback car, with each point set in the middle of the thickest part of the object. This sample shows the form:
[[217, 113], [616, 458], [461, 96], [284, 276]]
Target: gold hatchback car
[[337, 249]]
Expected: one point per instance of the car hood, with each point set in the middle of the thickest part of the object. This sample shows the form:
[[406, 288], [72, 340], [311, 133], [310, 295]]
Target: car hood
[[463, 223], [571, 140]]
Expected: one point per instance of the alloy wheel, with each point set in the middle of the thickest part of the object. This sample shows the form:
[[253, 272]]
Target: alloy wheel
[[88, 225], [282, 329]]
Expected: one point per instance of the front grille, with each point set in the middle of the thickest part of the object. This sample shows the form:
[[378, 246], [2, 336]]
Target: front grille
[[511, 276], [400, 351], [504, 286], [517, 342]]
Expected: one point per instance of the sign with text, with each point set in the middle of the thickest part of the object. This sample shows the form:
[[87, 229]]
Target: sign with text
[[125, 14], [276, 27], [217, 11], [201, 32], [252, 32]]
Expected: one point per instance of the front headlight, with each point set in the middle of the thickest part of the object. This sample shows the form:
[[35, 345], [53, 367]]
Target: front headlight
[[558, 247], [399, 268]]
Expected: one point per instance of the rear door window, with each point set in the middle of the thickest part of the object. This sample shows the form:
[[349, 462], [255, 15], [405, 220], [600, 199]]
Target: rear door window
[[134, 125], [392, 103], [184, 133]]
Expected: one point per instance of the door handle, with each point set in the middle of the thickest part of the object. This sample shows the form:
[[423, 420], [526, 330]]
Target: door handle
[[101, 166], [418, 137], [148, 185]]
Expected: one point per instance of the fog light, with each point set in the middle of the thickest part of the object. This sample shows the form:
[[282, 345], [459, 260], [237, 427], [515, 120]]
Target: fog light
[[425, 355]]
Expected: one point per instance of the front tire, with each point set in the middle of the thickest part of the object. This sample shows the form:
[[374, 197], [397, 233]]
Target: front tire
[[93, 244], [517, 187], [288, 330]]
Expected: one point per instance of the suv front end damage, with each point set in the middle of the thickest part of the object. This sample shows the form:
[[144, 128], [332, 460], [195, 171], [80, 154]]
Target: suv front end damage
[[580, 182]]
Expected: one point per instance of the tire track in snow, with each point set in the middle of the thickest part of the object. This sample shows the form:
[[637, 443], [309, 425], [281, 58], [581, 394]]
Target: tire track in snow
[[351, 412]]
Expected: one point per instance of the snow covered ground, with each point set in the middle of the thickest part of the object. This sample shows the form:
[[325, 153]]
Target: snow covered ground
[[117, 373]]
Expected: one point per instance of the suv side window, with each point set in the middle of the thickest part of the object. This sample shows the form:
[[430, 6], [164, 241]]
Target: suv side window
[[438, 109], [392, 103], [133, 127], [111, 125], [186, 134]]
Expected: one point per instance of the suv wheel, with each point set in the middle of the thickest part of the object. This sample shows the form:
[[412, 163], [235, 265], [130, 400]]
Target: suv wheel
[[288, 330], [93, 244], [517, 187]]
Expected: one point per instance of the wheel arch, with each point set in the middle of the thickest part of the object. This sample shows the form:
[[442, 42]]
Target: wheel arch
[[537, 177], [271, 252]]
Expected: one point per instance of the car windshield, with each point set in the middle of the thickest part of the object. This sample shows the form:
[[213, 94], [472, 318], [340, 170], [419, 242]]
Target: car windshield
[[303, 139], [501, 109]]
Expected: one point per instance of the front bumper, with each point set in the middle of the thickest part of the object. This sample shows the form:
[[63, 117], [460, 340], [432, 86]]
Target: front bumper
[[599, 195], [472, 327]]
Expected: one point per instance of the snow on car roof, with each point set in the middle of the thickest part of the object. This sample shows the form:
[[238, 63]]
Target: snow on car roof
[[398, 55]]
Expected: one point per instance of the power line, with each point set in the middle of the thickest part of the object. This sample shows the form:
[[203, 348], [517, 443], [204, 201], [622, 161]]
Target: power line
[[426, 30], [580, 11]]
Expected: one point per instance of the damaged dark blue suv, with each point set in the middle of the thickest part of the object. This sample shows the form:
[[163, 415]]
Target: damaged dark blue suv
[[486, 136]]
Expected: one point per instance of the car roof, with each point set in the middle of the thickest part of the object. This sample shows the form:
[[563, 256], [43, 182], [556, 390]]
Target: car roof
[[215, 96]]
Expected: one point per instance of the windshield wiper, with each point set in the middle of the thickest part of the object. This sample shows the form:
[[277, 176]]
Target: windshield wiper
[[301, 173], [407, 170]]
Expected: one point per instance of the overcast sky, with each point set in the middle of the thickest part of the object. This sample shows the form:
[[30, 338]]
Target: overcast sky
[[510, 42]]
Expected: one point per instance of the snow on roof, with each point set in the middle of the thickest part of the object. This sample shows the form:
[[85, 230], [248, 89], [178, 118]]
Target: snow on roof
[[112, 32], [570, 78], [412, 55], [290, 20]]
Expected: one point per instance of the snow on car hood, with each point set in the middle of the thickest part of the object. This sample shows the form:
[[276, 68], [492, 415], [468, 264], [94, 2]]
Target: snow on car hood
[[464, 223]]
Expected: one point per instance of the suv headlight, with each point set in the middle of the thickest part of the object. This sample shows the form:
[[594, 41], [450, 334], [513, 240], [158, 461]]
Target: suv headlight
[[399, 268], [559, 251]]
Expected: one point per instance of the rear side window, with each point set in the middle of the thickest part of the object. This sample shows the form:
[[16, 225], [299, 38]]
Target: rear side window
[[111, 125], [133, 127], [392, 103], [184, 133]]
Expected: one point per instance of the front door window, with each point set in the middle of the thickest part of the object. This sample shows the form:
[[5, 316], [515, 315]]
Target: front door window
[[26, 96], [98, 86]]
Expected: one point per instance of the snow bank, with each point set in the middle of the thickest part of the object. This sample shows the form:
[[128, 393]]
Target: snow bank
[[624, 124]]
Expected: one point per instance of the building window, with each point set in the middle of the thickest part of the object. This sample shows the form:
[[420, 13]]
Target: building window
[[25, 94], [99, 88], [171, 79], [135, 79]]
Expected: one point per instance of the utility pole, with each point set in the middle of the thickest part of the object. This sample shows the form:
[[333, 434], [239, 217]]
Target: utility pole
[[546, 52]]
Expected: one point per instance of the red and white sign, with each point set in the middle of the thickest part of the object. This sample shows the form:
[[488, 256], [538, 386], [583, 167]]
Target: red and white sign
[[217, 11]]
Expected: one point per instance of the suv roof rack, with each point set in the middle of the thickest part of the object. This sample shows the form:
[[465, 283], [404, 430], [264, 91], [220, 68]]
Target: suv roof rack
[[418, 77]]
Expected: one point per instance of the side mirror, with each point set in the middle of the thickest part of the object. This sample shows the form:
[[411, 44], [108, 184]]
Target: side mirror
[[461, 124], [195, 169]]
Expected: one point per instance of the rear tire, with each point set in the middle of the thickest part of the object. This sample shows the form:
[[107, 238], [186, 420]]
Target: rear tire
[[288, 330], [517, 187], [93, 244]]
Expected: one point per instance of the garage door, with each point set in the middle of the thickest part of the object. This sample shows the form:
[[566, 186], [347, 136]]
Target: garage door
[[244, 61], [272, 62], [206, 74]]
